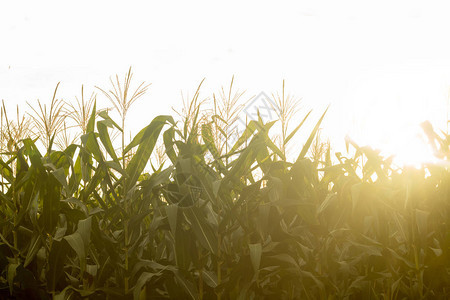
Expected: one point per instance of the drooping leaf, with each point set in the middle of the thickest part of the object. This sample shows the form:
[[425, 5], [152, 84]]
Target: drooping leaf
[[146, 139]]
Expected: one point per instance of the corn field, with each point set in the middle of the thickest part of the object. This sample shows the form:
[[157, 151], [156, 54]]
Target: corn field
[[175, 213]]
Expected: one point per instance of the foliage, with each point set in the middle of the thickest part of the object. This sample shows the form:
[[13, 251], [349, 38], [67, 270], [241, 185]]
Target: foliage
[[244, 223]]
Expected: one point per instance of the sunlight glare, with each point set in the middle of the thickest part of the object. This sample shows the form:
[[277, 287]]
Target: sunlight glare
[[387, 109], [411, 150]]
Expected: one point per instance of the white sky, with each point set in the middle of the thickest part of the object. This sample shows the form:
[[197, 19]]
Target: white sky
[[383, 66]]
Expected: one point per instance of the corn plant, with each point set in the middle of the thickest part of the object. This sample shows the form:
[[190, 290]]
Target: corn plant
[[79, 223]]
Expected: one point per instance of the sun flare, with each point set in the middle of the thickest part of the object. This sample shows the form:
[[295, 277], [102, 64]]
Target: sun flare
[[413, 151], [387, 109]]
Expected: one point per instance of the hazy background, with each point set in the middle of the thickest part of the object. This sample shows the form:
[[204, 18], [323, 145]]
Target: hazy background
[[382, 65]]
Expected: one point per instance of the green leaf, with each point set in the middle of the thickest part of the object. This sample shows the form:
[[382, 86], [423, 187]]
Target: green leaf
[[84, 228], [330, 199], [255, 255], [108, 121], [210, 278], [184, 245], [168, 138], [187, 285], [172, 212], [149, 131], [143, 279], [80, 239], [50, 195], [35, 245], [102, 127], [76, 242], [56, 262], [146, 139], [248, 132], [202, 229], [311, 137], [242, 165], [90, 143], [11, 275], [209, 142], [60, 176], [91, 123], [292, 134], [65, 294]]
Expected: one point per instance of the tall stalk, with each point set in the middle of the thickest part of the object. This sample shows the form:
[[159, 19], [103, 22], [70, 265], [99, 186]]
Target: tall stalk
[[1, 144], [120, 97], [81, 112], [228, 106], [286, 106]]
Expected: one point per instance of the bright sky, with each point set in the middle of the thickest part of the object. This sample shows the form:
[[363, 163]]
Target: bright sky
[[383, 66]]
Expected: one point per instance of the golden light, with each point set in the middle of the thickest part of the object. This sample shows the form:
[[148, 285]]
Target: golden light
[[388, 107], [410, 150]]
